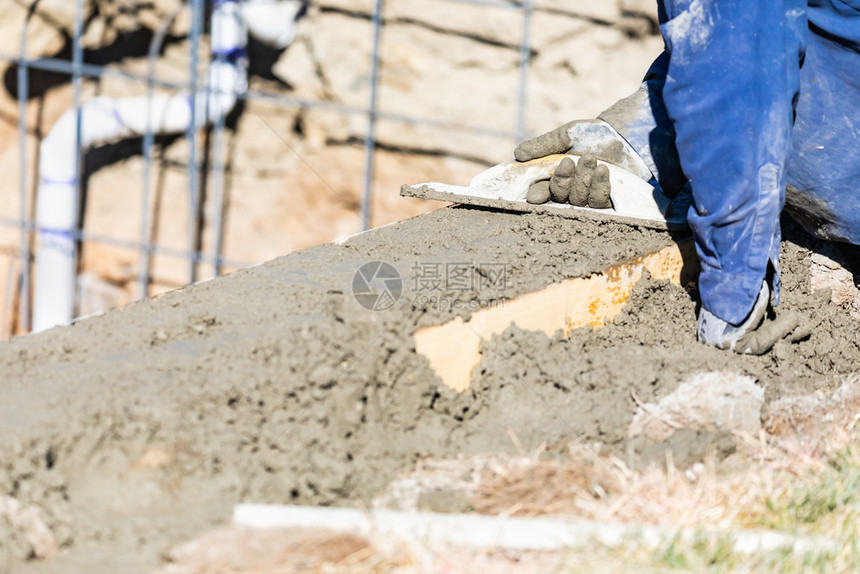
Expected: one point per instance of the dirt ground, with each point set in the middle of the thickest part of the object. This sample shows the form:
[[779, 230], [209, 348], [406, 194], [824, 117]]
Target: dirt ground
[[139, 429]]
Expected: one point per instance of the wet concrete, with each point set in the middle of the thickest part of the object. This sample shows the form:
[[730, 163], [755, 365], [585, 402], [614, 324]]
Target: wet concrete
[[135, 430]]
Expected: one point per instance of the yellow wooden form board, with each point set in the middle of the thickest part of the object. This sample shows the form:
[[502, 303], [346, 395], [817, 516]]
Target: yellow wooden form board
[[454, 348]]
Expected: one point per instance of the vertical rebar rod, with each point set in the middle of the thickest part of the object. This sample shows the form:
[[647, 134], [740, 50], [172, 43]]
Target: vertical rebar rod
[[77, 82], [217, 201], [23, 90], [148, 143], [525, 60], [193, 171], [370, 139], [218, 189]]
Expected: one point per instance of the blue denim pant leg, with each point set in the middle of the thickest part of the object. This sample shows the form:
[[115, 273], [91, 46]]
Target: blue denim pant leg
[[731, 85]]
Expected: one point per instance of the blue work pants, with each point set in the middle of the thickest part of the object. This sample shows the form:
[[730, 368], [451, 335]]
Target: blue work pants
[[757, 96]]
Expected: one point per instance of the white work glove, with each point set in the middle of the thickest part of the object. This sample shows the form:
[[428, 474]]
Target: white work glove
[[586, 184], [634, 134], [755, 336]]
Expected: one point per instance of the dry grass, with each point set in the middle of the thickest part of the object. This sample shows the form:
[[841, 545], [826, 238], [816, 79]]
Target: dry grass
[[274, 551], [807, 436], [245, 551], [801, 475]]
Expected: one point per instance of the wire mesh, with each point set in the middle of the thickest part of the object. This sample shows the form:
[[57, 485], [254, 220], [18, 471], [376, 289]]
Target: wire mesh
[[78, 70]]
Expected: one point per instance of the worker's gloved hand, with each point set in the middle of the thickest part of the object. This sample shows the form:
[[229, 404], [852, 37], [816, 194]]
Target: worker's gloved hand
[[634, 134], [585, 184], [585, 137], [755, 336]]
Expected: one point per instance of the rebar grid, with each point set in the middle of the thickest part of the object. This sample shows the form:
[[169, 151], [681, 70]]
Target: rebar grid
[[78, 69]]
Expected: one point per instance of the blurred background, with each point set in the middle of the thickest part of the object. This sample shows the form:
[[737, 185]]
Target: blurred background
[[148, 144]]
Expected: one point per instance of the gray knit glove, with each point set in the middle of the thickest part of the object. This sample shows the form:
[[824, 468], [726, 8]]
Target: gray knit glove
[[755, 336]]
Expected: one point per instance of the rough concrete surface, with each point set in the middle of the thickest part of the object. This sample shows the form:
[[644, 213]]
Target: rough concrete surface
[[140, 428]]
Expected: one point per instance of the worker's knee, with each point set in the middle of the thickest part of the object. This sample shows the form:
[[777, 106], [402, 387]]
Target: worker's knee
[[827, 217]]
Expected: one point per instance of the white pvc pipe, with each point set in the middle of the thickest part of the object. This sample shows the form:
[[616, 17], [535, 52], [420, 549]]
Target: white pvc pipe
[[272, 22], [57, 209], [477, 531], [105, 119]]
